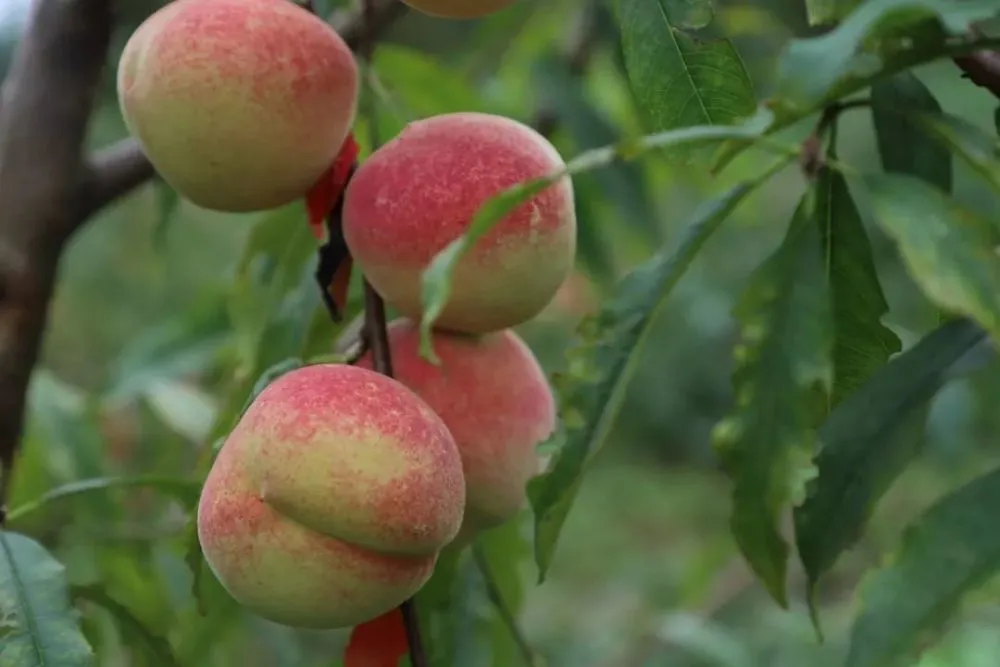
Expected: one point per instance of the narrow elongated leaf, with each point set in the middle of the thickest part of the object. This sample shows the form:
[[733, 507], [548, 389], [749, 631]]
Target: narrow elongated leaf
[[436, 279], [807, 83], [811, 68], [783, 358], [948, 249], [861, 458], [679, 77], [38, 628], [862, 344], [953, 548], [903, 146], [603, 358], [184, 490], [132, 630], [978, 149]]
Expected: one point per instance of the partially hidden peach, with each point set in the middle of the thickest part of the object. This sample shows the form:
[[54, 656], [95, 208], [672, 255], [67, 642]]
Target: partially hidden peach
[[459, 9], [330, 500], [240, 105], [496, 401], [419, 192]]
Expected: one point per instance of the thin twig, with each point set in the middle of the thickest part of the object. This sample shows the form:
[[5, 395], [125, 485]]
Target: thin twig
[[496, 597]]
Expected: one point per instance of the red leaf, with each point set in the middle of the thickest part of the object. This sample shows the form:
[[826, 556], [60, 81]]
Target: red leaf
[[321, 199], [380, 642]]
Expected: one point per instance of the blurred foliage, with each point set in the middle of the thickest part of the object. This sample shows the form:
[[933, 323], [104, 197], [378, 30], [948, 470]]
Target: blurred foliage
[[168, 318]]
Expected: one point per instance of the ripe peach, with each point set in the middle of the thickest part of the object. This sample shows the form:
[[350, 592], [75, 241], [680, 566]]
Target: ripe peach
[[497, 403], [459, 9], [240, 105], [329, 501], [419, 192]]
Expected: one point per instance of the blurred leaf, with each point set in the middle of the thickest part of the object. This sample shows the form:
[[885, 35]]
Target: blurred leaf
[[949, 551], [977, 148], [948, 249], [421, 85], [862, 344], [680, 77], [130, 628], [866, 44], [861, 457], [167, 202], [170, 350], [785, 355], [602, 359], [902, 145], [623, 183], [821, 12], [436, 279], [38, 627], [183, 407], [185, 491], [440, 608]]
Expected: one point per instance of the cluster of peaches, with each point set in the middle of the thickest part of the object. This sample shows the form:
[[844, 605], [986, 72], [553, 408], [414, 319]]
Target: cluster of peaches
[[331, 499]]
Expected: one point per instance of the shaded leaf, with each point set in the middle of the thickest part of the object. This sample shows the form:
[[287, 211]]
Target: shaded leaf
[[861, 458], [902, 145], [977, 148], [678, 76], [949, 551], [167, 203], [38, 627], [184, 490], [947, 249], [862, 344], [436, 279], [422, 85], [157, 648], [603, 358], [869, 40], [784, 356], [819, 12]]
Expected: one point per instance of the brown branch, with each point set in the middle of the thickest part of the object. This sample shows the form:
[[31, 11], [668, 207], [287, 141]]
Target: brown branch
[[983, 69]]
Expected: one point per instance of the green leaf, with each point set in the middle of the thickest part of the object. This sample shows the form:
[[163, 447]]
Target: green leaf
[[948, 250], [805, 85], [602, 360], [764, 444], [436, 279], [130, 628], [870, 41], [820, 12], [679, 77], [903, 146], [862, 344], [167, 203], [186, 491], [949, 551], [861, 457], [422, 85], [38, 627], [976, 148]]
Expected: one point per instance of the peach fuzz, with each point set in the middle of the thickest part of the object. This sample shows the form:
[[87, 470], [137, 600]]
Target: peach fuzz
[[330, 500], [494, 397], [240, 105], [419, 192], [459, 9]]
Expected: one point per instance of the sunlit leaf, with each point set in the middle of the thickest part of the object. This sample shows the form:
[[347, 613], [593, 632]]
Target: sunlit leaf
[[904, 147], [602, 360], [157, 648], [681, 77], [861, 455], [949, 250], [784, 356], [949, 551], [38, 627]]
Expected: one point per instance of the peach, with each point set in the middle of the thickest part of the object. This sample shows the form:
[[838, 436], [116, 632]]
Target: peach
[[330, 500], [240, 105], [458, 9], [497, 403], [419, 192]]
